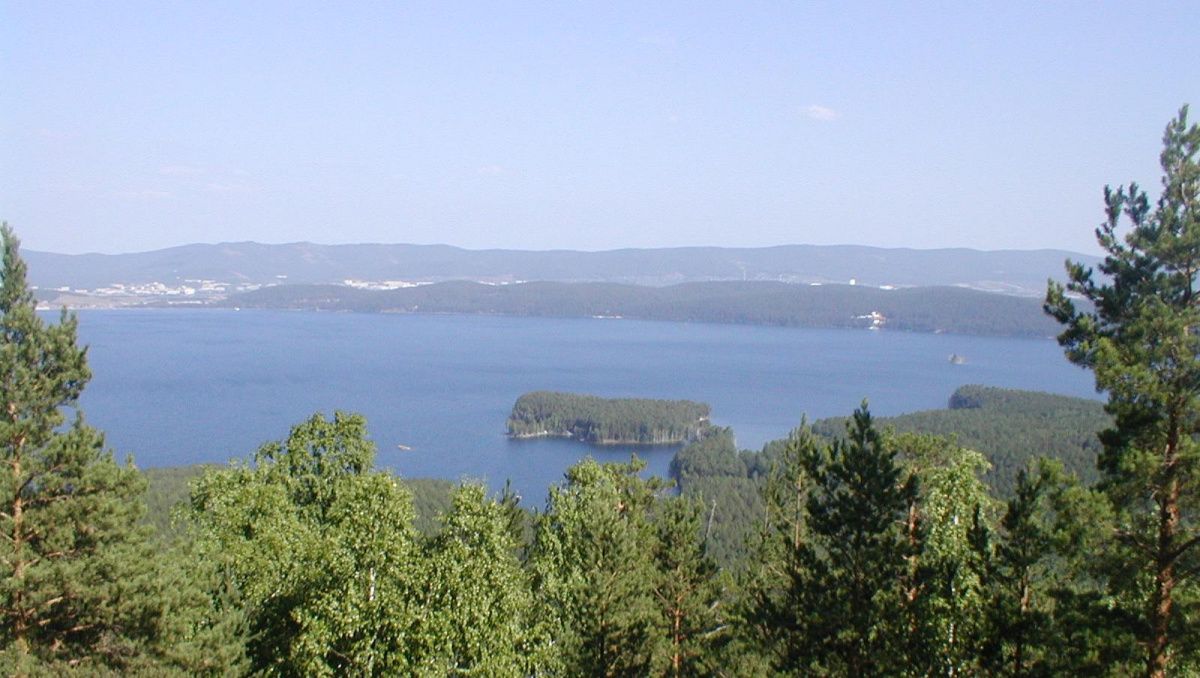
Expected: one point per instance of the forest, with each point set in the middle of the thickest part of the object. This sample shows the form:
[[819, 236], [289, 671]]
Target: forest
[[870, 550], [917, 309], [1009, 428], [608, 421]]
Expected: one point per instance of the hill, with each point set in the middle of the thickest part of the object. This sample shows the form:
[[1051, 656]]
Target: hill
[[1015, 271], [924, 309]]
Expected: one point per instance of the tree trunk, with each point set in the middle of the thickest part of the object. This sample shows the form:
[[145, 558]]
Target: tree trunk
[[20, 614], [677, 638], [1158, 649]]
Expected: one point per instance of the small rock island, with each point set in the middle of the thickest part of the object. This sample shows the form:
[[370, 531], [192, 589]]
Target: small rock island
[[608, 421]]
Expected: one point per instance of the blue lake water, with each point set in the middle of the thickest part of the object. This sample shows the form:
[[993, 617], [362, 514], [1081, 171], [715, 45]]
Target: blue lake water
[[187, 386]]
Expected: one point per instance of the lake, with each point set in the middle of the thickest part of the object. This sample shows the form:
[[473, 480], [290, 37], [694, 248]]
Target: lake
[[187, 386]]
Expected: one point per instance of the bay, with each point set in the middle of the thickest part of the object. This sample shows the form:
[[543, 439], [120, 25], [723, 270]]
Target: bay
[[179, 386]]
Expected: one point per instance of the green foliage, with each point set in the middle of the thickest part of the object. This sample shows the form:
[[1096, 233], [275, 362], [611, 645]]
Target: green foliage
[[920, 309], [322, 556], [608, 421], [485, 624], [319, 550], [732, 506], [593, 569], [167, 492], [81, 588], [1044, 612], [169, 488], [829, 598], [432, 498], [715, 455], [688, 592], [854, 554], [712, 472], [1011, 428], [942, 595], [1140, 339], [775, 613], [865, 561], [623, 584]]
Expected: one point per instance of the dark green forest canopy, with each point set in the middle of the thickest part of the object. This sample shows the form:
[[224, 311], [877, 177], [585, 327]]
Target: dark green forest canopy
[[607, 421], [916, 309], [1011, 428]]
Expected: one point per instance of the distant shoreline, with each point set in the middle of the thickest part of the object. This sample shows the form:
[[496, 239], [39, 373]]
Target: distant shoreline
[[462, 314]]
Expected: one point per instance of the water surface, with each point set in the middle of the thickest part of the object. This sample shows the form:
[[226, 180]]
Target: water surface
[[187, 386]]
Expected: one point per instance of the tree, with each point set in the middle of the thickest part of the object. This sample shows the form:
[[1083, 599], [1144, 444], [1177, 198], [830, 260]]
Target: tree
[[80, 585], [1048, 611], [687, 590], [942, 600], [856, 552], [594, 572], [836, 556], [321, 553], [1141, 338], [481, 595], [777, 611]]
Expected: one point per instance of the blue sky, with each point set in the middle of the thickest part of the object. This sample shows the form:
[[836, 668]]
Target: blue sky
[[130, 126]]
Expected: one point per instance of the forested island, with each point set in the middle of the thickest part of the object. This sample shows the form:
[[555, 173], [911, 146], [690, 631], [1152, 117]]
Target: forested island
[[608, 421]]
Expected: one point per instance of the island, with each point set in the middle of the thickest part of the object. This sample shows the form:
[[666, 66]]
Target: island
[[608, 421]]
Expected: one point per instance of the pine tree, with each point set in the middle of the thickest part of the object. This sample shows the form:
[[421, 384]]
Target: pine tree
[[857, 552], [80, 586], [1047, 611], [776, 609], [1141, 337], [1014, 564], [828, 599], [687, 590]]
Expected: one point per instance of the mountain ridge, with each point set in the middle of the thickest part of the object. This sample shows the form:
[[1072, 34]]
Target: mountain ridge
[[1022, 272]]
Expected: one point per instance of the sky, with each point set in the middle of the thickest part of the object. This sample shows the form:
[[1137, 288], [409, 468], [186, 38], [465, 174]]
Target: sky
[[129, 126]]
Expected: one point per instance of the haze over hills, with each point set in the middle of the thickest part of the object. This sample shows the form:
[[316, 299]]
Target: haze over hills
[[1021, 272]]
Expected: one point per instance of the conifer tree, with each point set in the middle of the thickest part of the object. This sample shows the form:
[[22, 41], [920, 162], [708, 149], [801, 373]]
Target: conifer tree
[[857, 551], [777, 610], [80, 586], [1141, 338], [829, 598], [1047, 611], [1014, 564], [687, 590]]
